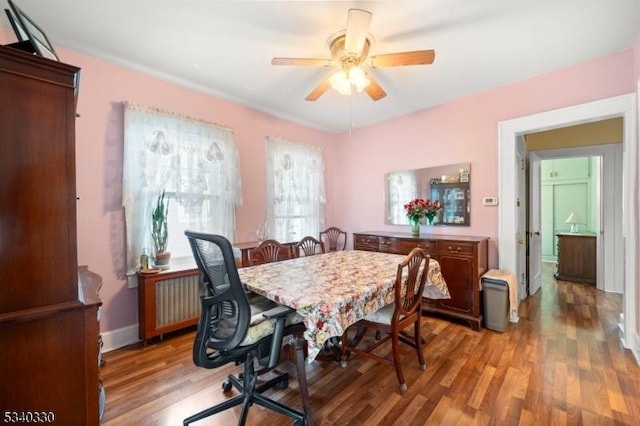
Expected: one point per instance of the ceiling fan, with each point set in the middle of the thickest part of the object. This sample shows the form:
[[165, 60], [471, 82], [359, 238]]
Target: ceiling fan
[[349, 53]]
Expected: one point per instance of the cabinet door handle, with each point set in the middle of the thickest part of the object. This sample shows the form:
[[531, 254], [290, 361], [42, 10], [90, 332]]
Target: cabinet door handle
[[457, 249]]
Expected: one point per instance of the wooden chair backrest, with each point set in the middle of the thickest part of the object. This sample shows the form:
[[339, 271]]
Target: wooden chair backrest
[[269, 251], [308, 246], [411, 279], [336, 238]]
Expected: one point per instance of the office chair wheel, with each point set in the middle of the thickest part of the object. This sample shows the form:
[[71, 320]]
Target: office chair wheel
[[226, 386], [283, 384]]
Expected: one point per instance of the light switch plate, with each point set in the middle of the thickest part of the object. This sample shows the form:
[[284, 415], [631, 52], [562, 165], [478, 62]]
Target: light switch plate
[[490, 201]]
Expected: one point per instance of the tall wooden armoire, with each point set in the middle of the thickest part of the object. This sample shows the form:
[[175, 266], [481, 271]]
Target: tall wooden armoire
[[48, 320]]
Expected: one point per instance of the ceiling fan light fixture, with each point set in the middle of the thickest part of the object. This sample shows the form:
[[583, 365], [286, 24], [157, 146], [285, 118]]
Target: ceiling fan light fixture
[[358, 78], [343, 80], [340, 82]]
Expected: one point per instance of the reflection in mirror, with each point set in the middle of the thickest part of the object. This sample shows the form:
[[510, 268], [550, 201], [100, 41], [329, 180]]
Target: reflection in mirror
[[449, 184]]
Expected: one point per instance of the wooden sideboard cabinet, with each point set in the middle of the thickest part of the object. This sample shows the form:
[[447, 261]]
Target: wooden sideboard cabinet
[[463, 260], [576, 258], [48, 318]]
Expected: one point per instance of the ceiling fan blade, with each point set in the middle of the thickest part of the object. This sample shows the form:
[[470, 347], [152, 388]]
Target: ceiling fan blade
[[319, 90], [357, 26], [374, 90], [312, 62], [416, 57]]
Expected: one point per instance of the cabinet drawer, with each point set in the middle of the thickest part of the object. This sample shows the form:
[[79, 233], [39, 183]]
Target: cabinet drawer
[[405, 246], [388, 245], [455, 247], [402, 246], [429, 246], [365, 242]]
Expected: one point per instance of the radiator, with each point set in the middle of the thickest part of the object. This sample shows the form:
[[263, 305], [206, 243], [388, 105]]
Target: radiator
[[177, 300], [167, 302]]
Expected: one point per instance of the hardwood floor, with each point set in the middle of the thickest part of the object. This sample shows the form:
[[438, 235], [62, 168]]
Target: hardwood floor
[[562, 363]]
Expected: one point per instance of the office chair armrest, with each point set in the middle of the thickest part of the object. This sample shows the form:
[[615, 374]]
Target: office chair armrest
[[277, 312]]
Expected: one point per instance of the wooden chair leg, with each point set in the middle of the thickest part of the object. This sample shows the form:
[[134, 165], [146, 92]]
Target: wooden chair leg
[[418, 344], [396, 361], [344, 351]]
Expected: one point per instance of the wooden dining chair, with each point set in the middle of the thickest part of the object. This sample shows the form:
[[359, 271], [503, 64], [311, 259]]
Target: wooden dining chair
[[335, 238], [269, 251], [392, 319], [308, 246]]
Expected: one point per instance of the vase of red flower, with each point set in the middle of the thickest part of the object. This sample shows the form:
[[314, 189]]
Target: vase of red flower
[[417, 209]]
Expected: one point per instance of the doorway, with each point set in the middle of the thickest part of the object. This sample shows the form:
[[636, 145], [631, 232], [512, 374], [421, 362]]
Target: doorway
[[510, 133], [602, 168]]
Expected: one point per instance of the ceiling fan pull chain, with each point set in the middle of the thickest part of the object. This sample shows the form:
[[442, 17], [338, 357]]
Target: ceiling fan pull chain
[[351, 123]]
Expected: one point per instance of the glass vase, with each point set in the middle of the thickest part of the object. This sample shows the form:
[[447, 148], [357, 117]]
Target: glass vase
[[430, 220], [415, 227]]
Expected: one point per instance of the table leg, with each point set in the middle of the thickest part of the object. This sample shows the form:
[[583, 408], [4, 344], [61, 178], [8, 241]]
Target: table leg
[[299, 345]]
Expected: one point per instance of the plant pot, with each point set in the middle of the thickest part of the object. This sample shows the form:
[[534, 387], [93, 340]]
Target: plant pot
[[162, 260]]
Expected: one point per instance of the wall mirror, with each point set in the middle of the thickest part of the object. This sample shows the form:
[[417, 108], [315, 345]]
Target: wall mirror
[[450, 184]]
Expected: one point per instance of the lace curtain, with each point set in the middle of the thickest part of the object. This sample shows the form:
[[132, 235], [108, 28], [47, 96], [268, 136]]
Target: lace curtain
[[295, 190], [403, 187], [194, 162]]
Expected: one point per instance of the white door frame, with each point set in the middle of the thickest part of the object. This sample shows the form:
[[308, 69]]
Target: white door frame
[[508, 132]]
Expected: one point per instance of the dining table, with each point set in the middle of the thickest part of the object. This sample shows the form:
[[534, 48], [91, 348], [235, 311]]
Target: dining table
[[334, 290]]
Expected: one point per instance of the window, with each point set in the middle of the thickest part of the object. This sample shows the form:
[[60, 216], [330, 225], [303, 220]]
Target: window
[[402, 187], [295, 190], [194, 162]]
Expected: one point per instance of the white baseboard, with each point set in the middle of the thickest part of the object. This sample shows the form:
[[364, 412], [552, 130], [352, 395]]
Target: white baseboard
[[119, 338], [635, 348], [628, 340]]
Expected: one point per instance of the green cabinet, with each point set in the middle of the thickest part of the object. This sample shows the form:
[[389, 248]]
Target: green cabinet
[[565, 168]]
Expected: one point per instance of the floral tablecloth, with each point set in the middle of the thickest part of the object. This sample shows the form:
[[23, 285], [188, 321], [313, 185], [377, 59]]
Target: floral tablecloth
[[334, 290]]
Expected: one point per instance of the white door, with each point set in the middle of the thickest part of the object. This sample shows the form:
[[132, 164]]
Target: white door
[[535, 240], [521, 219]]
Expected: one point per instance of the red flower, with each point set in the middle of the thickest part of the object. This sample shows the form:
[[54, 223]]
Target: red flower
[[419, 208]]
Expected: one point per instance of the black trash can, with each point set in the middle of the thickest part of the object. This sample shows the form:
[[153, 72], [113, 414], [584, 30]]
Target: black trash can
[[495, 296]]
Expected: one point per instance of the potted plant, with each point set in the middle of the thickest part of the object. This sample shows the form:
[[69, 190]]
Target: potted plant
[[160, 232]]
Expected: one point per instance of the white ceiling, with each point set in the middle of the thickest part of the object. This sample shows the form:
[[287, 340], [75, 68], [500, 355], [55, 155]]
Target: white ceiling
[[225, 47]]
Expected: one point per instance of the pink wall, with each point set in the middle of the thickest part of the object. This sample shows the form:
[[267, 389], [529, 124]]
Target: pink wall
[[461, 131], [464, 130], [99, 140], [637, 55], [99, 136]]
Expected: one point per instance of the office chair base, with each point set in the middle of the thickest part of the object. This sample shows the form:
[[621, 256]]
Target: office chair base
[[281, 380], [250, 394]]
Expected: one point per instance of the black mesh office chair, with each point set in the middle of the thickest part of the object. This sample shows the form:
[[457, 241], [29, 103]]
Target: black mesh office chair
[[239, 328]]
